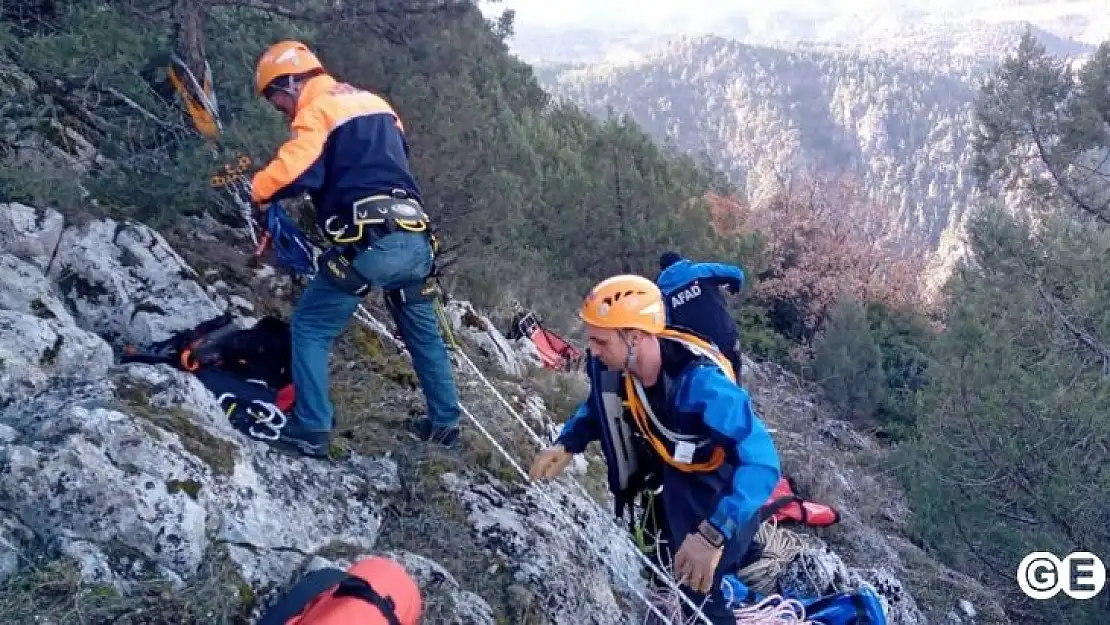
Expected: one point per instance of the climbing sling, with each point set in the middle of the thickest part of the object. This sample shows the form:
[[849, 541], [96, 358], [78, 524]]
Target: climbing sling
[[682, 447]]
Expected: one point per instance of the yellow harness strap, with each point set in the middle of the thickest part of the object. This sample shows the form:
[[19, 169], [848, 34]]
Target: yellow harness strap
[[639, 411], [702, 348]]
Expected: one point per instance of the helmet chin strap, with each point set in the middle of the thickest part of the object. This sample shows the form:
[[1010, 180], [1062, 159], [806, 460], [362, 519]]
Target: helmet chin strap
[[289, 88], [630, 360]]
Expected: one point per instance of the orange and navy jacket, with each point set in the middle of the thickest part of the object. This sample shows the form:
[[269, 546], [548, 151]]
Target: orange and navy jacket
[[347, 144]]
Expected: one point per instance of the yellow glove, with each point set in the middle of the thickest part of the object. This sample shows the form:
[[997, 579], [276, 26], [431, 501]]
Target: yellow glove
[[550, 462]]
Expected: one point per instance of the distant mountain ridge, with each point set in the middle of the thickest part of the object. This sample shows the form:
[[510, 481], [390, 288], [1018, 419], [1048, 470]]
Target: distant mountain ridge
[[763, 114], [975, 28]]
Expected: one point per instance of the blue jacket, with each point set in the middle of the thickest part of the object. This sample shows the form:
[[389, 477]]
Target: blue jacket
[[694, 301], [701, 400]]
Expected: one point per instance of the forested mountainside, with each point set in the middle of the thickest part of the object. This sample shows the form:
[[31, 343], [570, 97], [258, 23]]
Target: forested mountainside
[[766, 114]]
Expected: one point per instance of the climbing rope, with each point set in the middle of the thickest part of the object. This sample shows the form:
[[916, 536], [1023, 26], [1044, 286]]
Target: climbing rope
[[668, 579], [363, 317], [780, 547], [771, 610]]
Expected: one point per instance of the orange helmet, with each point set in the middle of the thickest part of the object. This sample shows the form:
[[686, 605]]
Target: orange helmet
[[389, 589], [284, 58], [625, 302]]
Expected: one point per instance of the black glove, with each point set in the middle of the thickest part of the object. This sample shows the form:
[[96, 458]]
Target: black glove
[[258, 214]]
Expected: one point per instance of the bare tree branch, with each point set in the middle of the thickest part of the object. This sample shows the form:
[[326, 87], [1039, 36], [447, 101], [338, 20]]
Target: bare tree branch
[[1082, 335]]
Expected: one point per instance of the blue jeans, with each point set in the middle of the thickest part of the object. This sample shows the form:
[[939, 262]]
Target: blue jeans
[[395, 261]]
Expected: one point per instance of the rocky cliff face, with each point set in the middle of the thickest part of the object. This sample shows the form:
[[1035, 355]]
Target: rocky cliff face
[[124, 476]]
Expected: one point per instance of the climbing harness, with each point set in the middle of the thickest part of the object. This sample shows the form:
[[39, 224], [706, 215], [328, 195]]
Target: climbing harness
[[684, 445], [651, 428], [374, 217]]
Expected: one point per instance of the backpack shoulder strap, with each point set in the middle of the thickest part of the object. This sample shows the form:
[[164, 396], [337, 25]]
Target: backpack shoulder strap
[[313, 585], [701, 347], [300, 595]]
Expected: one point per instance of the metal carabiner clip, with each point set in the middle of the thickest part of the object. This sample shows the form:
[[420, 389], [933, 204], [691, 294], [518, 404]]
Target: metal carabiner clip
[[337, 235], [268, 416], [266, 413]]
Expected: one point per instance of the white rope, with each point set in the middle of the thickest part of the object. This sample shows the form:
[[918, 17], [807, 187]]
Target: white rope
[[773, 610], [770, 610], [365, 318], [362, 316], [668, 579], [566, 518]]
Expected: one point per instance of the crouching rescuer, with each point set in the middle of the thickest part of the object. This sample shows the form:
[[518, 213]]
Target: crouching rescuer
[[678, 432], [348, 151]]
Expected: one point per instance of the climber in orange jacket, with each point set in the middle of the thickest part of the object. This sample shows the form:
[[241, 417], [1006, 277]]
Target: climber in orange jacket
[[349, 153], [374, 591]]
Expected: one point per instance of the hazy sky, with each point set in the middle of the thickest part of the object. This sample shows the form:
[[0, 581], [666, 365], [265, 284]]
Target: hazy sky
[[626, 12], [636, 12]]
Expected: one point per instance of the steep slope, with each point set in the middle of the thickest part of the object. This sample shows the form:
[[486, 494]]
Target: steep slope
[[765, 114], [123, 482]]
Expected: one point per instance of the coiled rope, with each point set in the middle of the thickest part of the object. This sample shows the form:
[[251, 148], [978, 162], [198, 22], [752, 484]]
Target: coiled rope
[[771, 610], [780, 547]]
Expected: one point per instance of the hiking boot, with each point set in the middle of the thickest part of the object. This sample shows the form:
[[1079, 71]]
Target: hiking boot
[[423, 429], [306, 443]]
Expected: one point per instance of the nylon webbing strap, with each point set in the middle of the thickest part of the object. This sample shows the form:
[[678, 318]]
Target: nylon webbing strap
[[358, 588], [316, 582], [770, 509]]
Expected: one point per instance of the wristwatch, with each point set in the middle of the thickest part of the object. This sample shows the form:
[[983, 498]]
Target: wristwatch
[[711, 534]]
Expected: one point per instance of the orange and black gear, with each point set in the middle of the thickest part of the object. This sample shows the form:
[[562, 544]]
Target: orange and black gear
[[348, 144], [640, 417], [625, 302], [785, 504], [284, 58], [377, 591]]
